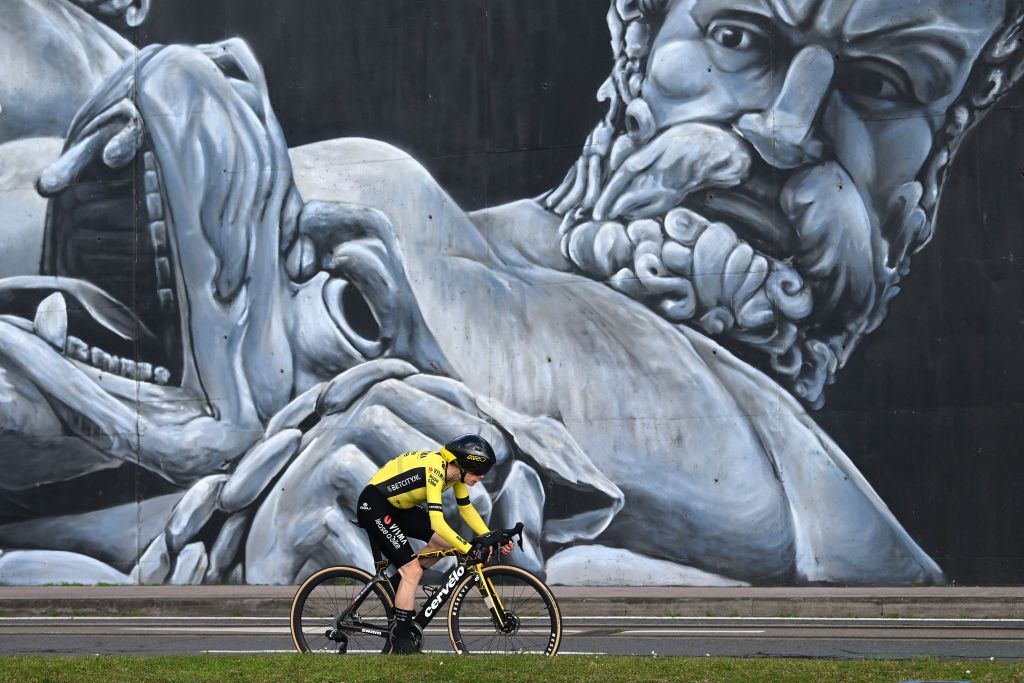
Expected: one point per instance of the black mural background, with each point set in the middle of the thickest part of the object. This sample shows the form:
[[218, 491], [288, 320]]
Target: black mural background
[[495, 98]]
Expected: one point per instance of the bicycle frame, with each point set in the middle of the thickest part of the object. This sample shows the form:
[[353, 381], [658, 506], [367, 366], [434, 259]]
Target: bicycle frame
[[436, 600], [445, 589]]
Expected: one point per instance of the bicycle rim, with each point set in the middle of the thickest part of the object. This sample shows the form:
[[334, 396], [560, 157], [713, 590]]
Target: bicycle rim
[[534, 624], [323, 596]]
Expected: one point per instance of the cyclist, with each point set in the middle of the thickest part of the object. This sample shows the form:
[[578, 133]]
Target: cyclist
[[389, 510]]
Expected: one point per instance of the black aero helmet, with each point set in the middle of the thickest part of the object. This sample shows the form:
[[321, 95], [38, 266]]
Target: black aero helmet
[[471, 453]]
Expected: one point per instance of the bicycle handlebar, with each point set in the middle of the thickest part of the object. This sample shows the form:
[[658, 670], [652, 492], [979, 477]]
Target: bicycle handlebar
[[499, 537]]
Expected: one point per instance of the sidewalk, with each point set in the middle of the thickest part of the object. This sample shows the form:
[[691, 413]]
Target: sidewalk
[[931, 602]]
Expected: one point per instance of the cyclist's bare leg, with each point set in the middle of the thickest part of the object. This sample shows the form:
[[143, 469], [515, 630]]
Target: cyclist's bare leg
[[411, 573], [435, 543]]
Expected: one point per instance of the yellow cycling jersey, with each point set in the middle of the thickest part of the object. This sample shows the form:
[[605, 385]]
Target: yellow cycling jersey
[[419, 477]]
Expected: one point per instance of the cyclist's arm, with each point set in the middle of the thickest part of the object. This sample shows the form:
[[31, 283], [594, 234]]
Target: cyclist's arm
[[466, 509], [435, 486]]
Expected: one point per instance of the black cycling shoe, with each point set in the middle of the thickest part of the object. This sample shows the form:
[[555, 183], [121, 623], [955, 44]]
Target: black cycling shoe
[[404, 646]]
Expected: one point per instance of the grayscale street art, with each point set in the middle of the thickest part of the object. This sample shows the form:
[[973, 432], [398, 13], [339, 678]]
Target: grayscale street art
[[258, 326]]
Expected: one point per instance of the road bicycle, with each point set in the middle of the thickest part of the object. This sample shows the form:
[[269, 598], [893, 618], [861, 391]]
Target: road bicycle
[[494, 608]]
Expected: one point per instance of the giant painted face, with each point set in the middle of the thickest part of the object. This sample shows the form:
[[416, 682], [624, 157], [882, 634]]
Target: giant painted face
[[759, 172]]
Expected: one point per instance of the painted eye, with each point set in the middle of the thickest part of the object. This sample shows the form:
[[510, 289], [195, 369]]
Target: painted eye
[[737, 37], [874, 86]]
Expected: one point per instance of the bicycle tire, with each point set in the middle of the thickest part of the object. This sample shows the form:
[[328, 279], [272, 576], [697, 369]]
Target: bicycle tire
[[323, 596], [537, 620]]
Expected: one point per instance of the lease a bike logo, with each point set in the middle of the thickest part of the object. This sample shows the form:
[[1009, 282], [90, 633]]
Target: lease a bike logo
[[391, 532], [443, 593]]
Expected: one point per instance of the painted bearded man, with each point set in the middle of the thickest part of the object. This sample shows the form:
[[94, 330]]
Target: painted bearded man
[[766, 169], [735, 224]]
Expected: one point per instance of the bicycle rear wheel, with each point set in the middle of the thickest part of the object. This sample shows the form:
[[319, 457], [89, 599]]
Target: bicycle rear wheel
[[323, 597], [533, 622]]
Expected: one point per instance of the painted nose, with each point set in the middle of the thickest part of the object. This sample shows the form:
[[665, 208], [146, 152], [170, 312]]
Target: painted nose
[[784, 134]]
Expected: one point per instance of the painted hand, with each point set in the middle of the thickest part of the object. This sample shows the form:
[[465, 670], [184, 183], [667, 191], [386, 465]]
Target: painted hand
[[371, 413]]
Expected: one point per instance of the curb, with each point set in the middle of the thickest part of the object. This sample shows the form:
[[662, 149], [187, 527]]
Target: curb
[[887, 608], [271, 601]]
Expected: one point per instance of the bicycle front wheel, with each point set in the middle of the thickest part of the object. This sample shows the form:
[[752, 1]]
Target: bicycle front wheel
[[531, 621], [322, 598]]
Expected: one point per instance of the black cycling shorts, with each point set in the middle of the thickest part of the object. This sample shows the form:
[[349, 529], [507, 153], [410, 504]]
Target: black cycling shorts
[[389, 528]]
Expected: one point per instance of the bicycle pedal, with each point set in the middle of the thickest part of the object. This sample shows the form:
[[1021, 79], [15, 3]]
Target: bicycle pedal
[[416, 635]]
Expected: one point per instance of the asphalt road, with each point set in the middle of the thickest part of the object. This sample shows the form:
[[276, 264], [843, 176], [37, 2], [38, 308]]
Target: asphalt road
[[999, 639]]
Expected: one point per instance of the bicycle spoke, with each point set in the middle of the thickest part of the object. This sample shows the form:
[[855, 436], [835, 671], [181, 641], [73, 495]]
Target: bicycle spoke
[[530, 620], [323, 602]]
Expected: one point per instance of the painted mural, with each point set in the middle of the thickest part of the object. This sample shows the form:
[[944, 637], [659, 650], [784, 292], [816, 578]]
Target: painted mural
[[210, 339]]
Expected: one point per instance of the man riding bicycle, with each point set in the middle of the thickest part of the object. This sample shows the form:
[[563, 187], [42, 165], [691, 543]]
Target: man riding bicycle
[[389, 510]]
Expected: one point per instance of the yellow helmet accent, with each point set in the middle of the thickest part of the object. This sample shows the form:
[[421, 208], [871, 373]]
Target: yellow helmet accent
[[471, 453]]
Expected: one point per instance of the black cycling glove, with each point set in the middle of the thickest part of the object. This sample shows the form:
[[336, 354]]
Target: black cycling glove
[[478, 553]]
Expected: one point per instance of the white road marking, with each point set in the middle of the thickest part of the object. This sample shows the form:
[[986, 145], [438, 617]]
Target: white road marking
[[683, 631], [884, 620], [162, 618], [278, 630], [616, 617], [488, 629], [238, 630]]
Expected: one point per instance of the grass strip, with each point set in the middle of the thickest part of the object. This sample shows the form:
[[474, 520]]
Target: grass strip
[[606, 669]]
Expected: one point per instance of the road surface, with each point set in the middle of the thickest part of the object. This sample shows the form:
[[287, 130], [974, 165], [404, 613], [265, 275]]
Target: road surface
[[839, 638]]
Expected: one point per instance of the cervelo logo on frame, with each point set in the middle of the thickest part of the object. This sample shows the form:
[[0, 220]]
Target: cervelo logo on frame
[[443, 593]]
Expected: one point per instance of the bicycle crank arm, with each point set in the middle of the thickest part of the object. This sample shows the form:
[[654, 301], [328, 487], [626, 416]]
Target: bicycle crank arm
[[368, 630]]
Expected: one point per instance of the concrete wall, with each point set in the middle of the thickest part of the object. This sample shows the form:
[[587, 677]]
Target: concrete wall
[[238, 277]]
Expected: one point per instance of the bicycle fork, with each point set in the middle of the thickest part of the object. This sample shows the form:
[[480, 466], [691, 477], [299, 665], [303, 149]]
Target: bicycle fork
[[493, 601], [502, 620]]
